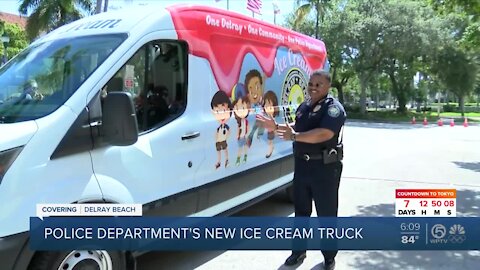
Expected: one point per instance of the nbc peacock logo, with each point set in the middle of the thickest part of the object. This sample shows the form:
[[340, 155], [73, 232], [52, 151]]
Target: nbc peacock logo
[[457, 234]]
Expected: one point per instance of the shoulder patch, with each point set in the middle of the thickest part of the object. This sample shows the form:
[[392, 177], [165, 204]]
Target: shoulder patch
[[333, 111]]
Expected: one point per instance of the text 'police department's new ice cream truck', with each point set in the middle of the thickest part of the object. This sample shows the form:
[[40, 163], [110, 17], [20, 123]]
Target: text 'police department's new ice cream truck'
[[155, 107]]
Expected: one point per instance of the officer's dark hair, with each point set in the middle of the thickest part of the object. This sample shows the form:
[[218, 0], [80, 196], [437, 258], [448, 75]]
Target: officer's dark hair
[[322, 73], [221, 98], [252, 73]]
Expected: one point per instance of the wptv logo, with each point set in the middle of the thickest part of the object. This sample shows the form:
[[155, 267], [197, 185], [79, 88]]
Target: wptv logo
[[455, 235]]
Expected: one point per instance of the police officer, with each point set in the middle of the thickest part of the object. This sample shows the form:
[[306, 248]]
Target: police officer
[[318, 154]]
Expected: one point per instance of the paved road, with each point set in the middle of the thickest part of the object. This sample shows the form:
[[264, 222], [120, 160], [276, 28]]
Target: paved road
[[378, 159]]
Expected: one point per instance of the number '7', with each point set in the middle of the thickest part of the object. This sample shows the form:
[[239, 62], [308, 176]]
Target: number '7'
[[406, 202]]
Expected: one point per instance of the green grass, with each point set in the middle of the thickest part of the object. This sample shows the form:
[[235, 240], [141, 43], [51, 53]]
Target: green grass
[[467, 104], [453, 114], [392, 116]]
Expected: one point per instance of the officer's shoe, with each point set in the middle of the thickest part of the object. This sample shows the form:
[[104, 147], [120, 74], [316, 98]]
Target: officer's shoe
[[295, 258], [329, 264]]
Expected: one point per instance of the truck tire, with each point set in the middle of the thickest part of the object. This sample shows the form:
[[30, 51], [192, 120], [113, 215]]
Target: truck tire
[[79, 260]]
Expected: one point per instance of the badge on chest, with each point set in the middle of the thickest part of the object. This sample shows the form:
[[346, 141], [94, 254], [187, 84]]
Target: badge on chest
[[315, 110]]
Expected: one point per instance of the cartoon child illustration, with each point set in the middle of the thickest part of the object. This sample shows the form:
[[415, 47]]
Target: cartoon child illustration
[[254, 84], [222, 111], [241, 106], [271, 109]]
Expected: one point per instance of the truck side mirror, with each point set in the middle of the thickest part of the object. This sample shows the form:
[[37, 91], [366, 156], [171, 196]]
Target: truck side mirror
[[119, 123]]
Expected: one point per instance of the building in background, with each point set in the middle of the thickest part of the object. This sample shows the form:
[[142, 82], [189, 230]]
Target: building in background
[[12, 18]]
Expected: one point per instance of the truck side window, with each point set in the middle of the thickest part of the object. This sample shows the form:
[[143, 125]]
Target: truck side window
[[156, 76]]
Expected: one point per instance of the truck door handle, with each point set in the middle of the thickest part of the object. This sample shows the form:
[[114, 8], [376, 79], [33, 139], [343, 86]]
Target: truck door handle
[[92, 124], [190, 135]]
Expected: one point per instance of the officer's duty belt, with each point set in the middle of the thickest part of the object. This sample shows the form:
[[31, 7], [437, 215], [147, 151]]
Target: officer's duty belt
[[308, 157]]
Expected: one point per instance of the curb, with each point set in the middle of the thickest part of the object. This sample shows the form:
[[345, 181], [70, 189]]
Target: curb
[[409, 123]]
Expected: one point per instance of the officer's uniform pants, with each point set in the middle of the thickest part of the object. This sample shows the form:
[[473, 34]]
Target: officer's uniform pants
[[320, 182]]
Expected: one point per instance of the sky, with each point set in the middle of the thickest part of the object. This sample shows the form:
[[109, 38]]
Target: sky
[[240, 6]]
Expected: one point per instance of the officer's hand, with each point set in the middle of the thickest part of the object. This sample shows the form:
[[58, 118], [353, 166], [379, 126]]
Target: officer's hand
[[265, 122], [285, 132]]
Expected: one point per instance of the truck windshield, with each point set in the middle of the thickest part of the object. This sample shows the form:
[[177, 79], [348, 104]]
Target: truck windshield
[[41, 78]]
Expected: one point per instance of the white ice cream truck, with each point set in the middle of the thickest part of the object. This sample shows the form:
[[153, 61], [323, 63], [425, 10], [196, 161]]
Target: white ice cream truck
[[153, 106]]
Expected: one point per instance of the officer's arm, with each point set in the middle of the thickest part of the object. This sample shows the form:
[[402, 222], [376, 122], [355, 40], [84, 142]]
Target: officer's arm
[[316, 135]]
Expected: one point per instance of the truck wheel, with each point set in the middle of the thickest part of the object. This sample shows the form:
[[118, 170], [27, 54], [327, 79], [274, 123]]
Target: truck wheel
[[79, 260]]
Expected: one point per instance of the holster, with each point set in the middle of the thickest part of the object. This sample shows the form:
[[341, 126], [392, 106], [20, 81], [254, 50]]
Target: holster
[[333, 155]]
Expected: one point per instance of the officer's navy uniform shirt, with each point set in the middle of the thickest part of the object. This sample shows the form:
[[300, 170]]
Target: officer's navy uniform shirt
[[327, 113]]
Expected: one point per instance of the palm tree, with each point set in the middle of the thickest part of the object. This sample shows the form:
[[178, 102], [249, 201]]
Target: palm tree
[[47, 15], [98, 7], [305, 7], [105, 7]]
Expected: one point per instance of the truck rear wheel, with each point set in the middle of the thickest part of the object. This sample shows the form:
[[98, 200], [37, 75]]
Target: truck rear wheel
[[79, 260]]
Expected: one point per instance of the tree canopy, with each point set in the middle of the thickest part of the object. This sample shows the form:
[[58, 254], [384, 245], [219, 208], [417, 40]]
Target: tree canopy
[[18, 39], [46, 15], [398, 44]]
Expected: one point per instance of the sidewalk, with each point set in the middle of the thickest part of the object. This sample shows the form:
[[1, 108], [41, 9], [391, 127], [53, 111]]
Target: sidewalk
[[378, 200], [366, 197]]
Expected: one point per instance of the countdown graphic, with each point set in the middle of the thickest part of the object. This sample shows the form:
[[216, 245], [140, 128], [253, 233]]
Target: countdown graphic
[[425, 203]]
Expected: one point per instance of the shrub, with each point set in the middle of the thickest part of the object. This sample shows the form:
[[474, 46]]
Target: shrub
[[352, 108], [449, 108], [427, 109]]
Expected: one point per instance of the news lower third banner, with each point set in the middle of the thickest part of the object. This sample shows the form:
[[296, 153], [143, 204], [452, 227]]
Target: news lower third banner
[[254, 233]]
